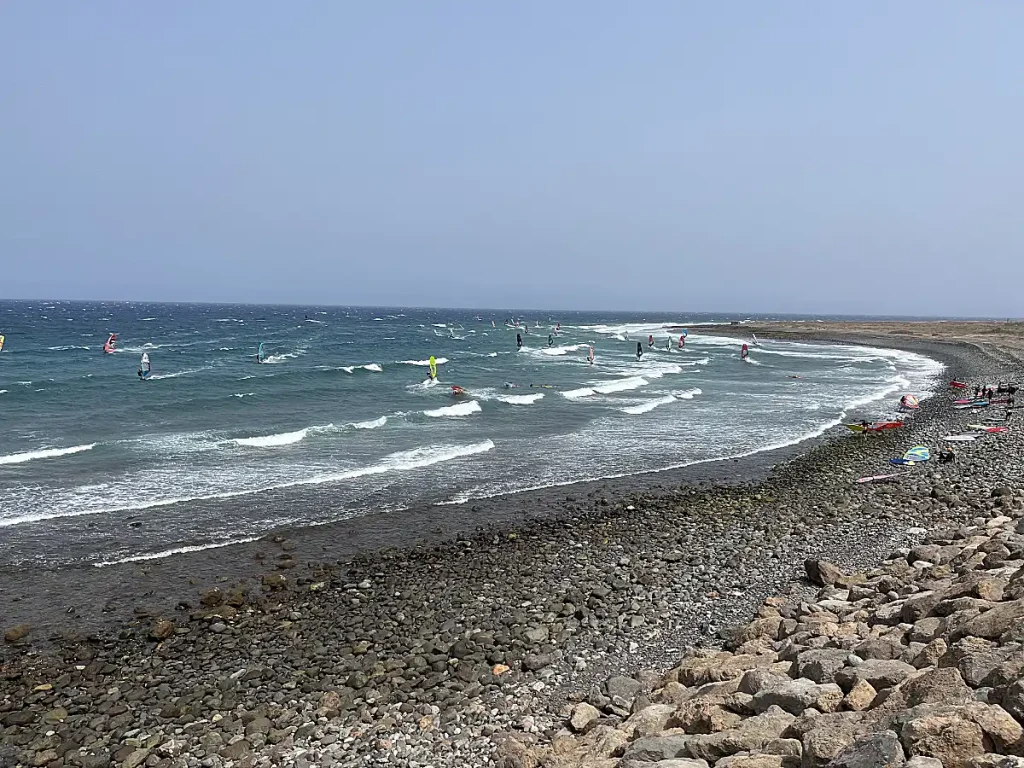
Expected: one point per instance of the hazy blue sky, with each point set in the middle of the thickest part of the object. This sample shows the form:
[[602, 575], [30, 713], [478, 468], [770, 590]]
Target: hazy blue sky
[[749, 156]]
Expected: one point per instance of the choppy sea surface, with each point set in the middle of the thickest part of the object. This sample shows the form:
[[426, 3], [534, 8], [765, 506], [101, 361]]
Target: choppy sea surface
[[98, 467]]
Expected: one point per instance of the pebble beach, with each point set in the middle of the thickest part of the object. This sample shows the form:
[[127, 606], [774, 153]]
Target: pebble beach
[[605, 624]]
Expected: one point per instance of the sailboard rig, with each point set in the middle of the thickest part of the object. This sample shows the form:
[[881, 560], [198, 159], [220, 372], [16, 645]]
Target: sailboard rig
[[111, 343], [650, 340], [144, 366], [261, 356], [682, 341], [590, 356], [1, 342], [753, 340], [433, 368], [744, 352], [915, 455], [910, 402]]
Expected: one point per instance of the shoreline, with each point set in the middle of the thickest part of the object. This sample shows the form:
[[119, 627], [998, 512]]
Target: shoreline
[[108, 597], [420, 654]]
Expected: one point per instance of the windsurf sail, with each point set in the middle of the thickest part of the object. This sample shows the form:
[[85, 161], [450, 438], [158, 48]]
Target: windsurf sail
[[110, 344], [917, 453], [958, 384], [590, 356], [1, 342], [744, 352], [144, 367], [650, 340], [682, 341], [754, 341], [433, 367], [910, 401], [260, 354]]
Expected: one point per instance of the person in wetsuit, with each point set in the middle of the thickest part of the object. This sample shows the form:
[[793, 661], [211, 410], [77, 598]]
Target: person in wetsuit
[[639, 350], [519, 341]]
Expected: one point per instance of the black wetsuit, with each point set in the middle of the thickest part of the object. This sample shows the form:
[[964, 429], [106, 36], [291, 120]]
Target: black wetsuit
[[639, 350], [519, 341]]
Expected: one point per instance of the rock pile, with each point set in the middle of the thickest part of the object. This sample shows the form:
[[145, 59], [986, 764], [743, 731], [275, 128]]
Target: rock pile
[[917, 663]]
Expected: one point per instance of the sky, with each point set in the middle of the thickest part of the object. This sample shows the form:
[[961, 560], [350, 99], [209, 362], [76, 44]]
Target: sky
[[800, 157]]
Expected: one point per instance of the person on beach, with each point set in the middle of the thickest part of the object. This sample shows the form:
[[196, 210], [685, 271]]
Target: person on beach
[[947, 456]]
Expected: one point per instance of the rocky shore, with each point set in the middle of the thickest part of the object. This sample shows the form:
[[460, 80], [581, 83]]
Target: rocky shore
[[535, 644]]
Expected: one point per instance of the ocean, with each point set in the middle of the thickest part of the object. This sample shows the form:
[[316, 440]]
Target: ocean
[[98, 467]]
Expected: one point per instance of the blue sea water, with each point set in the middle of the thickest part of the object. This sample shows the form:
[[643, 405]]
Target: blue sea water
[[98, 467]]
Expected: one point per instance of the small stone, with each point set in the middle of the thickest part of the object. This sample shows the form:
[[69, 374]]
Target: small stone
[[17, 633], [583, 715]]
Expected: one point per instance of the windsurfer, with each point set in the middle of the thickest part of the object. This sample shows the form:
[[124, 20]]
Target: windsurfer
[[551, 340], [519, 341], [639, 350]]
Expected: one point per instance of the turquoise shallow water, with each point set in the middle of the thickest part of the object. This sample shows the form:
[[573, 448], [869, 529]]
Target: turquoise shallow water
[[97, 467]]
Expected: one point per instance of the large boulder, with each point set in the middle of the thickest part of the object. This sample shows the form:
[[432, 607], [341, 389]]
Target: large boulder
[[993, 623], [946, 737], [823, 737], [723, 666], [797, 695], [822, 572], [698, 716], [877, 750], [663, 746], [821, 664], [881, 673], [750, 735]]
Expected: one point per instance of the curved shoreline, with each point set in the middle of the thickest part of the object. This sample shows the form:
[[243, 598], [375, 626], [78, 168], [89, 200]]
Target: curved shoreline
[[104, 599], [479, 627]]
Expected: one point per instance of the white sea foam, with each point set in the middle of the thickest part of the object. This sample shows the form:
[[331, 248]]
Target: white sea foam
[[402, 461], [273, 441], [176, 551], [521, 399], [374, 424], [423, 363], [577, 394], [45, 453], [177, 373], [563, 350], [687, 394], [372, 367], [3, 391], [66, 348], [459, 409], [633, 382], [243, 394], [284, 357], [650, 405]]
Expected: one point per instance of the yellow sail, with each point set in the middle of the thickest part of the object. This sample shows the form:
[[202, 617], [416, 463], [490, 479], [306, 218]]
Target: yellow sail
[[433, 367], [1, 342]]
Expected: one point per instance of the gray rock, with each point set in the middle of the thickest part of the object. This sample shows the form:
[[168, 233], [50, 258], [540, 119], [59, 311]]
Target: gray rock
[[877, 750], [583, 715], [822, 572], [656, 748], [881, 673], [821, 665], [797, 695], [624, 688]]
